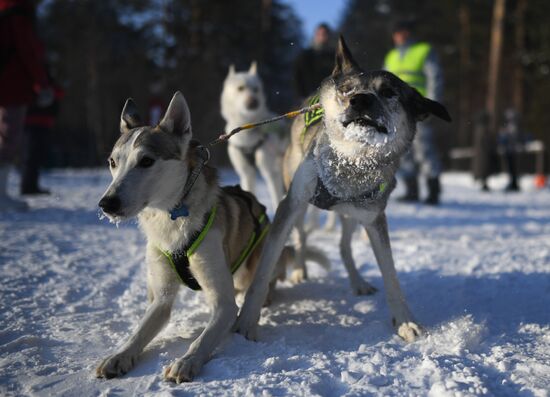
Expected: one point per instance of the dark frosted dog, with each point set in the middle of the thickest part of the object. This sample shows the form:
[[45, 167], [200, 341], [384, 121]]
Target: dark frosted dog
[[347, 163]]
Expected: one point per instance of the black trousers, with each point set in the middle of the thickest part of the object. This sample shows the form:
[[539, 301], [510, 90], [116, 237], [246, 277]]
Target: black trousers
[[35, 153]]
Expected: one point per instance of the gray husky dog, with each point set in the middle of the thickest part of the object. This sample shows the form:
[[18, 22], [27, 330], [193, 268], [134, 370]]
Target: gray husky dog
[[347, 163], [198, 233]]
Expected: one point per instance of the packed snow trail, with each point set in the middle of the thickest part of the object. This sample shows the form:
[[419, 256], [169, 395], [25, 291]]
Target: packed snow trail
[[476, 273]]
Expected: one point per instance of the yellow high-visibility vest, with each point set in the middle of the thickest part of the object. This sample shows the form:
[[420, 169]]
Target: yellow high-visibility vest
[[409, 68]]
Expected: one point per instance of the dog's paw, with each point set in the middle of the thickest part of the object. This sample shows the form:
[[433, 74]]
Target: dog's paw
[[362, 287], [248, 329], [410, 331], [297, 276], [183, 370], [115, 365]]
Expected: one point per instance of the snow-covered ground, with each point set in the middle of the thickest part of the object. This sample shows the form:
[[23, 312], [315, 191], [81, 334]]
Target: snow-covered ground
[[476, 272]]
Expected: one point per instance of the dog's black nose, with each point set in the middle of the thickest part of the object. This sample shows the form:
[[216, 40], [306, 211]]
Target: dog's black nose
[[110, 204], [362, 101], [252, 103]]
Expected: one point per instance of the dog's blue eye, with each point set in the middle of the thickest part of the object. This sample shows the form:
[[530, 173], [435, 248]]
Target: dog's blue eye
[[112, 163], [146, 162]]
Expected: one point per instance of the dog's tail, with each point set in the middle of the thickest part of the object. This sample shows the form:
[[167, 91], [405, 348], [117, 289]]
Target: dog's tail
[[318, 256], [288, 258]]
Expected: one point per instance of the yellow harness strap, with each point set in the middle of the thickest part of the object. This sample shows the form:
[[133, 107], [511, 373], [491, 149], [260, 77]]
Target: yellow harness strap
[[179, 260]]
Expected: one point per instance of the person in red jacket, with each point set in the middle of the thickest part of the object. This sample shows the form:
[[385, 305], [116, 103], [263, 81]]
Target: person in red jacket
[[23, 78]]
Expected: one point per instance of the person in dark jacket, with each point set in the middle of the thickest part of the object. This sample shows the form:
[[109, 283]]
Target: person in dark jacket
[[484, 158], [38, 126], [23, 78], [511, 138], [315, 63]]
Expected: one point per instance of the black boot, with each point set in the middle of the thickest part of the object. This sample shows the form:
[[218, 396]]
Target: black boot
[[434, 188], [411, 191], [33, 159], [512, 173], [512, 186]]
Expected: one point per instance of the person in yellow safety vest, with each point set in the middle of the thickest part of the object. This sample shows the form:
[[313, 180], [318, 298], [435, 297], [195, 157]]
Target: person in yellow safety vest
[[416, 63]]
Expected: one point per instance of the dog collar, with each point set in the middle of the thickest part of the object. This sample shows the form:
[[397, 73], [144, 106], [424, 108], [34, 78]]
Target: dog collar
[[181, 208]]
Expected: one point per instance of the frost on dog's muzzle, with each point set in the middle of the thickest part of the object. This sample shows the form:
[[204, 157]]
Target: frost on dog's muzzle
[[366, 122]]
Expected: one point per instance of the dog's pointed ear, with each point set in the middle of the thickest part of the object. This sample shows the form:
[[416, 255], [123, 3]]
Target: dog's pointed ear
[[253, 68], [424, 107], [129, 118], [231, 71], [344, 62], [177, 119]]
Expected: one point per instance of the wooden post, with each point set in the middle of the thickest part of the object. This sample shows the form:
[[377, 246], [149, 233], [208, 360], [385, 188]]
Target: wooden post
[[465, 65], [518, 94], [495, 54]]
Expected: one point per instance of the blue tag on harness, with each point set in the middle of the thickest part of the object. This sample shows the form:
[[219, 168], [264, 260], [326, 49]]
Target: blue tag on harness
[[179, 212]]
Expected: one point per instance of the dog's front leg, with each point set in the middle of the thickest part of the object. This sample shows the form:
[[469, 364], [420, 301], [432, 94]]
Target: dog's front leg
[[299, 274], [269, 164], [212, 272], [402, 319], [245, 170], [295, 202], [163, 288], [358, 285]]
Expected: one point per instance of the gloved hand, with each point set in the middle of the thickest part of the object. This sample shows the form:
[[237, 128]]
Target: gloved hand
[[45, 97]]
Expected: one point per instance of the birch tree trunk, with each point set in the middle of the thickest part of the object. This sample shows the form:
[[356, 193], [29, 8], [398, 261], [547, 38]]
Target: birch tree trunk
[[518, 88], [495, 55]]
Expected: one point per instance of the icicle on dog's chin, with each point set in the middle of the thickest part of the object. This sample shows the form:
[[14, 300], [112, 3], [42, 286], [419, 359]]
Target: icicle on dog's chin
[[114, 219]]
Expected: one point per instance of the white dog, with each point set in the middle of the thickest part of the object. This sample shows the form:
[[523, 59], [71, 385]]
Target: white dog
[[243, 101]]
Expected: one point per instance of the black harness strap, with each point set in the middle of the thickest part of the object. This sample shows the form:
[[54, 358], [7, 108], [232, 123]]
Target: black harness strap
[[249, 152], [180, 261], [324, 199], [203, 153]]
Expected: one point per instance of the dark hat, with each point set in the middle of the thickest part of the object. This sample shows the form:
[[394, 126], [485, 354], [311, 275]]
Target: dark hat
[[324, 25], [407, 24]]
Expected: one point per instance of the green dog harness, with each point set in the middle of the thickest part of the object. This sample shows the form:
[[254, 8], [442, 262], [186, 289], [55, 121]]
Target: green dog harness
[[179, 260], [312, 117]]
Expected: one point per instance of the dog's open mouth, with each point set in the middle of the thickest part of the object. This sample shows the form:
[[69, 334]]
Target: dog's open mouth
[[366, 122]]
